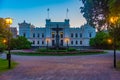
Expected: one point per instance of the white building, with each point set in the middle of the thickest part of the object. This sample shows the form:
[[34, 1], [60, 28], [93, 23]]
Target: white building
[[68, 36]]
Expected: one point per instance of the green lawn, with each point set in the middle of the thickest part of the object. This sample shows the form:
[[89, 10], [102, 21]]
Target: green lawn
[[57, 53], [118, 65], [4, 65]]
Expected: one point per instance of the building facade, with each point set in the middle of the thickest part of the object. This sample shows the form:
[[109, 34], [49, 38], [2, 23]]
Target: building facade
[[13, 31], [57, 33]]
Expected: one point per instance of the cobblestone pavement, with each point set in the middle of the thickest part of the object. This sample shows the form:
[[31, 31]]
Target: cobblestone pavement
[[91, 67]]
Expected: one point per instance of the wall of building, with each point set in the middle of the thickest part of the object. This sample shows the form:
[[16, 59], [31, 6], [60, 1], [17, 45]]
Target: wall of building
[[71, 36]]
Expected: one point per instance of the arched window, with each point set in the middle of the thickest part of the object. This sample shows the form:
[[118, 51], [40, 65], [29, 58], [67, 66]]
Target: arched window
[[90, 35]]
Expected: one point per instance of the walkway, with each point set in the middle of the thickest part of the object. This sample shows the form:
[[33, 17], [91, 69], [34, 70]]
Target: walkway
[[91, 67]]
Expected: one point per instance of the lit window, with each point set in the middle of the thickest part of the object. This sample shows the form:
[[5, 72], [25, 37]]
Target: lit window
[[61, 34], [53, 35]]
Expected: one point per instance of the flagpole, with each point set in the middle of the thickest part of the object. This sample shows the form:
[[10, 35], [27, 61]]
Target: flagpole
[[67, 13], [48, 12]]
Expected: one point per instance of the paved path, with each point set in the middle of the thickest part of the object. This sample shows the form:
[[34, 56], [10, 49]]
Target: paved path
[[91, 67]]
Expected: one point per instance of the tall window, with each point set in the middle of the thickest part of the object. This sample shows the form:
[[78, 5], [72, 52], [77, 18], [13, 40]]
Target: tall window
[[24, 34], [80, 42], [80, 35], [33, 35], [76, 35], [61, 34], [90, 35], [38, 35], [33, 42], [72, 42], [72, 35], [76, 42], [42, 35], [38, 42], [42, 42], [53, 35]]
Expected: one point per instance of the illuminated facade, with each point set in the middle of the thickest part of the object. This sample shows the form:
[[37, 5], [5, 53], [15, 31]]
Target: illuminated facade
[[67, 36]]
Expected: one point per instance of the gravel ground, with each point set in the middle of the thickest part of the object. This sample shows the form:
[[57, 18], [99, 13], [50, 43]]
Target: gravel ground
[[90, 67]]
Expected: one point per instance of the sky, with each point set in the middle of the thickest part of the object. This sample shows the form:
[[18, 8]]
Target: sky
[[35, 11]]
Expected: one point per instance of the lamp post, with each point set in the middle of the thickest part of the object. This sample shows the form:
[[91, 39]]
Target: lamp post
[[47, 41], [113, 20], [67, 41], [8, 22]]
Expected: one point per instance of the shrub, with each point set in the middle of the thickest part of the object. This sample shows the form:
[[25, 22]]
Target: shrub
[[71, 49]]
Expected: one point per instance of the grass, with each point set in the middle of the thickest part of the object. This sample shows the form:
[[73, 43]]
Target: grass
[[56, 53], [4, 65], [118, 65]]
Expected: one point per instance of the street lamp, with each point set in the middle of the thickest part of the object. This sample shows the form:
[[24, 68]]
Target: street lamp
[[114, 20], [8, 22], [47, 41], [67, 41]]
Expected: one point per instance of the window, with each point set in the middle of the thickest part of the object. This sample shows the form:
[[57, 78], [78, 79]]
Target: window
[[76, 42], [61, 42], [33, 35], [61, 34], [24, 34], [80, 42], [42, 35], [72, 35], [38, 35], [33, 42], [80, 35], [42, 42], [90, 35], [38, 42], [76, 35], [72, 42], [53, 35]]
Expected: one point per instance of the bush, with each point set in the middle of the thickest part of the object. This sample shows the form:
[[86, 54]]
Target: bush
[[71, 49]]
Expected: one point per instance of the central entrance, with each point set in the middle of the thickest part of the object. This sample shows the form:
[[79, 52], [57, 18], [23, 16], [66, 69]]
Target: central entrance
[[57, 38]]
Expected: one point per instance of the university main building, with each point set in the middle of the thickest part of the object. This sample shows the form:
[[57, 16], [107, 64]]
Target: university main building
[[58, 34]]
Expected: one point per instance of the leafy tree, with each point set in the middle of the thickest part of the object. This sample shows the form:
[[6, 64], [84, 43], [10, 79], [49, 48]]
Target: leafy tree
[[96, 12], [101, 40], [20, 43], [4, 34]]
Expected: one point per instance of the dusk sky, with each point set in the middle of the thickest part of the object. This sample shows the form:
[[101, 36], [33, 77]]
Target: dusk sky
[[35, 11]]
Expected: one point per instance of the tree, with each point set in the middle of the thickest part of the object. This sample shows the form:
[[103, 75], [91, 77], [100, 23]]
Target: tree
[[4, 33], [96, 13], [20, 43], [101, 40]]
